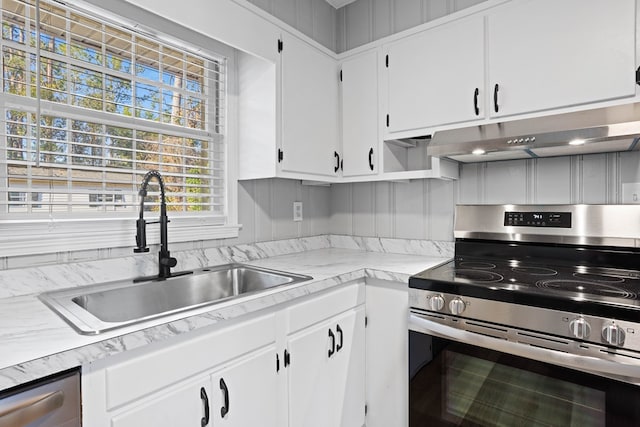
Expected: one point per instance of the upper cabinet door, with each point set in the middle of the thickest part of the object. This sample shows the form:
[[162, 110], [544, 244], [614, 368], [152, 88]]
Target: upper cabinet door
[[546, 54], [360, 114], [309, 82], [437, 77]]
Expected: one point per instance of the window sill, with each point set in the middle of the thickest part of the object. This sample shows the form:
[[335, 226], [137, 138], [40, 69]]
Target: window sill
[[20, 238]]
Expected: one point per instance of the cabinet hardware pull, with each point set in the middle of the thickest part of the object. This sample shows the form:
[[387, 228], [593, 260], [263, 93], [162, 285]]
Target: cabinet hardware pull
[[333, 343], [205, 403], [495, 97], [337, 156], [339, 330], [287, 358], [371, 158], [277, 362], [225, 392], [475, 101]]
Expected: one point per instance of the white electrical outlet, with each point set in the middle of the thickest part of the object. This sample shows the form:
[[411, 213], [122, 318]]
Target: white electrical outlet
[[297, 211], [631, 192]]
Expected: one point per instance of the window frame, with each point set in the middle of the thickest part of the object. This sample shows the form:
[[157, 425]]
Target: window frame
[[31, 236]]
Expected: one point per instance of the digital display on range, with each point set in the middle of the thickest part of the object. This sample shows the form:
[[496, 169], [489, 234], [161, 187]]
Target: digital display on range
[[538, 219]]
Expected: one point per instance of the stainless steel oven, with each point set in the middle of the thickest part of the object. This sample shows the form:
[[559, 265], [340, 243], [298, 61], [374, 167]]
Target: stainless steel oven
[[536, 320]]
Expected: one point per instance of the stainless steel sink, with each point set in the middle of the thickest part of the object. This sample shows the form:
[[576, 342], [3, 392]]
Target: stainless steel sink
[[99, 308]]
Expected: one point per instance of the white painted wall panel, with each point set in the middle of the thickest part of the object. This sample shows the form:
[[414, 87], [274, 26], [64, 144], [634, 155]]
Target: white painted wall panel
[[383, 209], [437, 9], [553, 180], [376, 19], [381, 22], [304, 18], [358, 24], [285, 10], [593, 188], [410, 218], [407, 14], [442, 200], [324, 24], [265, 209], [284, 193], [506, 182], [341, 209], [316, 207], [315, 18], [471, 183], [364, 221]]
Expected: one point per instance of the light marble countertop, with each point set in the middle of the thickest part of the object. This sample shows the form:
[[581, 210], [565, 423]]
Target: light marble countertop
[[36, 342]]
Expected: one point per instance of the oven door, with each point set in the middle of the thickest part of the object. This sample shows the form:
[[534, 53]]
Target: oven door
[[457, 383]]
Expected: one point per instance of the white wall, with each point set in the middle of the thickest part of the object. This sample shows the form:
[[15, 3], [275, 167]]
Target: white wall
[[364, 21], [592, 179], [265, 210], [315, 18], [419, 209], [424, 209]]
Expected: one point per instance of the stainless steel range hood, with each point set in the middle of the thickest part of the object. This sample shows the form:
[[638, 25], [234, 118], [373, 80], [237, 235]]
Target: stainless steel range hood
[[592, 131]]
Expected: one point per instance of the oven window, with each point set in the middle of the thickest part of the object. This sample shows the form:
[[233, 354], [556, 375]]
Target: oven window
[[462, 385]]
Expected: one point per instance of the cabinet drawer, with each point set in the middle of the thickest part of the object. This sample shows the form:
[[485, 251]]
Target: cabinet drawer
[[148, 373], [322, 307]]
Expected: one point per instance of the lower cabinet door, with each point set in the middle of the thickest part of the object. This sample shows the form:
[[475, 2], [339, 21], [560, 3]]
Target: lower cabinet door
[[184, 405], [348, 369], [245, 393], [326, 375]]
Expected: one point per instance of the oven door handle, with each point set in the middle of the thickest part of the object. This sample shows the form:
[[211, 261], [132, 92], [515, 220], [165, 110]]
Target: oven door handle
[[585, 363]]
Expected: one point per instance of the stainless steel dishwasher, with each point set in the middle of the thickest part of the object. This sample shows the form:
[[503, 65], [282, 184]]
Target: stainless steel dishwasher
[[51, 402]]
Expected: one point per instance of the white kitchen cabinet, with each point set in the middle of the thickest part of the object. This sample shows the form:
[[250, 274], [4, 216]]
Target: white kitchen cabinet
[[182, 405], [326, 374], [309, 109], [436, 77], [288, 113], [244, 393], [238, 369], [360, 118], [546, 54], [161, 380], [387, 354], [325, 362]]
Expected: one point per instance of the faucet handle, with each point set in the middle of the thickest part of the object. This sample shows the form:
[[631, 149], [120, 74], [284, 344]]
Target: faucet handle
[[169, 261], [141, 236]]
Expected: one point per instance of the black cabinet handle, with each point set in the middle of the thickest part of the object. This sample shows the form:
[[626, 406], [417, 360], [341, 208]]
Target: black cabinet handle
[[205, 403], [475, 101], [277, 362], [225, 391], [495, 97], [333, 343], [337, 156], [339, 330], [287, 358], [371, 158]]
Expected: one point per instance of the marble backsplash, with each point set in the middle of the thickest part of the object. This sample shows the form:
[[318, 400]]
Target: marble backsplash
[[47, 276]]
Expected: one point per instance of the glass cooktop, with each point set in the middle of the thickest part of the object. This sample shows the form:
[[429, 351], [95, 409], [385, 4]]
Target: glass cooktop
[[588, 289]]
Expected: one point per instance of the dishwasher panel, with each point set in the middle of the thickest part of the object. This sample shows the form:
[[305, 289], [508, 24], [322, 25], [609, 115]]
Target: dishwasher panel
[[51, 402]]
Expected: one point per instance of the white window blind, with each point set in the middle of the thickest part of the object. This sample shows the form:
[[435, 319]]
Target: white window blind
[[113, 104]]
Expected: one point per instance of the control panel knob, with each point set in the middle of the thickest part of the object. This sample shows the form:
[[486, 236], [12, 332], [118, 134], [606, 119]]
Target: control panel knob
[[580, 328], [436, 302], [457, 306], [613, 334]]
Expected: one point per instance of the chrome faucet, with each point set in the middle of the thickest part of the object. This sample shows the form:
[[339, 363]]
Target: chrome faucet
[[165, 260]]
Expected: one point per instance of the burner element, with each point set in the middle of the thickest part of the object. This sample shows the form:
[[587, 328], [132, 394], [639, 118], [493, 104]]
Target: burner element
[[586, 288], [535, 271], [600, 278], [477, 264], [475, 275]]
